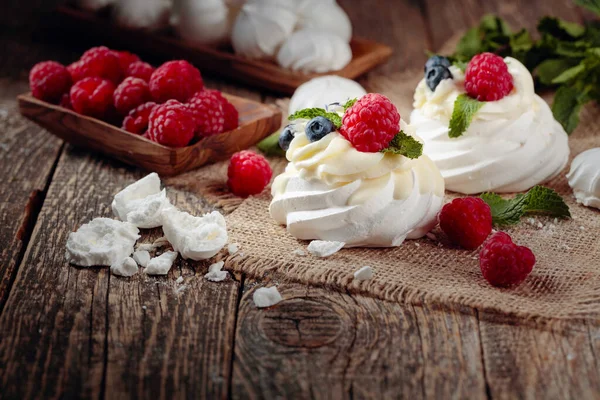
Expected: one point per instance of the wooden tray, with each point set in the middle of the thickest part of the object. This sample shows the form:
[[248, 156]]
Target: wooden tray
[[256, 122], [366, 54]]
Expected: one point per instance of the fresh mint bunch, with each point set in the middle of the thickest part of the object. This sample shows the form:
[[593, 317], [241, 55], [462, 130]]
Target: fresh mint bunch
[[538, 200], [566, 57], [310, 113], [404, 145]]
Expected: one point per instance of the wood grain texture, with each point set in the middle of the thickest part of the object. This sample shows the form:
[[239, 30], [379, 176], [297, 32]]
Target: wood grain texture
[[256, 122], [366, 54], [27, 158], [79, 332], [321, 344]]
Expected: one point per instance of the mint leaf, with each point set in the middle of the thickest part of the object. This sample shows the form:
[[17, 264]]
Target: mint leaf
[[538, 200], [560, 28], [567, 105], [349, 104], [569, 74], [270, 145], [404, 145], [462, 65], [310, 113], [465, 108], [592, 5], [548, 70]]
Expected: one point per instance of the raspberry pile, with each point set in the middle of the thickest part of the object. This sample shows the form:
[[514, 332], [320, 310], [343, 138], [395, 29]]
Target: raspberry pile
[[487, 78], [163, 104]]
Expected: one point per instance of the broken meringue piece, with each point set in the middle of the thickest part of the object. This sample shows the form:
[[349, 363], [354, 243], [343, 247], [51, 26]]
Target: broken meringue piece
[[266, 297], [215, 274], [363, 274], [162, 264], [233, 248], [196, 238], [142, 203], [324, 248], [127, 267], [141, 257], [102, 241]]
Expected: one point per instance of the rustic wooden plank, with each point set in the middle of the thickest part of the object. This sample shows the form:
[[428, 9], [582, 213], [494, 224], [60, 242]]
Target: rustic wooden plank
[[27, 158], [534, 362], [323, 344]]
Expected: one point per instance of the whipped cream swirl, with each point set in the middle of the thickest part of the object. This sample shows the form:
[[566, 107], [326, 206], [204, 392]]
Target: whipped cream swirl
[[511, 145], [331, 191]]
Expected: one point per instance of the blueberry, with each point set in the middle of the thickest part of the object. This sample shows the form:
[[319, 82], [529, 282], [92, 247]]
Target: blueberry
[[435, 75], [435, 61], [285, 137], [317, 128]]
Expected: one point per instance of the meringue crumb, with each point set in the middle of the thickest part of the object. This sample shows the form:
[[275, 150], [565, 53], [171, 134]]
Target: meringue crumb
[[299, 253], [179, 280], [324, 248], [582, 228], [364, 274], [144, 247], [540, 225], [431, 236], [214, 272], [233, 248], [266, 297], [144, 308], [417, 244]]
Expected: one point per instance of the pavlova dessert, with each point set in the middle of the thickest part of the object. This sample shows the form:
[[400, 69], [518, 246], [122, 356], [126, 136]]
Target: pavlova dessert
[[356, 175], [485, 128]]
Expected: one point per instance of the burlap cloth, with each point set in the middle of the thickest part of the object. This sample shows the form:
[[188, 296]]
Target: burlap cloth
[[565, 282]]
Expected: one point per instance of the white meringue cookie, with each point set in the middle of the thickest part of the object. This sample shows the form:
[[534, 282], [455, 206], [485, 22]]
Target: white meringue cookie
[[324, 90], [202, 21], [94, 5], [310, 51], [512, 144], [143, 14], [584, 177], [262, 27], [324, 16], [331, 191]]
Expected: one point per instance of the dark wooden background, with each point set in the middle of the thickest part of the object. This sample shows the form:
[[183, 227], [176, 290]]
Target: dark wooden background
[[68, 333]]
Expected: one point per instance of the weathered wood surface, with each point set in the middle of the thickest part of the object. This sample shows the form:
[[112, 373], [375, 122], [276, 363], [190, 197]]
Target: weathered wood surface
[[68, 332]]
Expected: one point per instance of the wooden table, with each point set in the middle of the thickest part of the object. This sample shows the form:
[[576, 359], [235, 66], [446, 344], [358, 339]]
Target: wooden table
[[68, 332]]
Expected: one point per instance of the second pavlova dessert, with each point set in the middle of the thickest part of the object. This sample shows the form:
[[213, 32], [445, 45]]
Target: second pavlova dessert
[[485, 128], [356, 175]]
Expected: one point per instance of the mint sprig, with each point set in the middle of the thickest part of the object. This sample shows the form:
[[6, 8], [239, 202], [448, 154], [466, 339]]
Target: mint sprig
[[404, 145], [465, 108], [349, 104], [310, 113], [270, 145], [538, 200]]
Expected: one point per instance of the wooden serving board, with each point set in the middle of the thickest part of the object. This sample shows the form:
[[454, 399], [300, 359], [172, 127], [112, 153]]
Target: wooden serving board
[[366, 54], [256, 122]]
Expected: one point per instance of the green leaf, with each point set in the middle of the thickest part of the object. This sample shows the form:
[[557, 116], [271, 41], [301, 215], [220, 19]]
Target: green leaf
[[569, 74], [270, 146], [404, 145], [560, 28], [469, 45], [349, 104], [521, 41], [592, 5], [462, 65], [310, 113], [567, 105], [465, 108], [539, 200], [550, 69]]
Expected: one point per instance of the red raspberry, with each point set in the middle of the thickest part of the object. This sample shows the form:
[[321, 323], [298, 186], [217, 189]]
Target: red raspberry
[[487, 78], [230, 113], [138, 118], [371, 123], [177, 80], [49, 80], [467, 221], [503, 263], [171, 124], [126, 59], [131, 93], [97, 62], [249, 173], [140, 69], [92, 96], [206, 108]]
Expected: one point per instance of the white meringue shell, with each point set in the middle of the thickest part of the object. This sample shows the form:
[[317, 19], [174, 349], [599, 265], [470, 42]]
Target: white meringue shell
[[584, 177], [310, 51], [324, 90]]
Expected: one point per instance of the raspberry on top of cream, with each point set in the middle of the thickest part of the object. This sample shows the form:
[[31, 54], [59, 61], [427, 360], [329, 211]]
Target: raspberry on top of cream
[[332, 191], [511, 145]]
